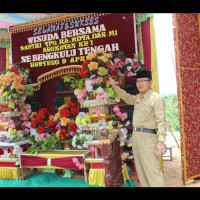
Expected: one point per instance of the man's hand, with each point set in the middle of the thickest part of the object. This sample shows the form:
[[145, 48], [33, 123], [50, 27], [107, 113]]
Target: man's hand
[[161, 148], [111, 82]]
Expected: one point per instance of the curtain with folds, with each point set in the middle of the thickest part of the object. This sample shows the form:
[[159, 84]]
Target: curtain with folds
[[187, 40], [147, 45], [4, 49]]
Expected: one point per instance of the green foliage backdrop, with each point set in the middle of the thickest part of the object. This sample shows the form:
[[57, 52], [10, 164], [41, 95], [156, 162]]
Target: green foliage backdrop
[[172, 111]]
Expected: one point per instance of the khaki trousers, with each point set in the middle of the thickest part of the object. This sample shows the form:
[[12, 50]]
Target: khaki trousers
[[146, 161]]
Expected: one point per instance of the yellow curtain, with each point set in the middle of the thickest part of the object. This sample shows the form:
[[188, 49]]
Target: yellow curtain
[[154, 67], [11, 173], [7, 58], [96, 176]]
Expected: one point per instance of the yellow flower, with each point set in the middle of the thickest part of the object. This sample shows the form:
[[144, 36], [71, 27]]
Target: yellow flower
[[10, 75], [108, 55], [6, 80], [100, 51], [5, 94], [102, 71], [17, 79], [33, 115], [64, 121], [103, 58], [57, 115], [16, 85], [91, 56], [27, 71], [51, 117], [2, 88], [93, 65]]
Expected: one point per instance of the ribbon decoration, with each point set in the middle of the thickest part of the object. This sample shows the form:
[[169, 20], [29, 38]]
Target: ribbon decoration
[[64, 162]]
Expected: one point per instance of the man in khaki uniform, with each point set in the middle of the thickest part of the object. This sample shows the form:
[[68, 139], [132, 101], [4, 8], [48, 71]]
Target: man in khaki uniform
[[149, 133]]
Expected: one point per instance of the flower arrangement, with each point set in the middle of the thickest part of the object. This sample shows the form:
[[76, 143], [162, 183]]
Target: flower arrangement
[[98, 64], [125, 66], [79, 140], [92, 88], [13, 88], [65, 122], [43, 131]]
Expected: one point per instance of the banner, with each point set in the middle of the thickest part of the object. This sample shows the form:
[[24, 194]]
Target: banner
[[68, 41]]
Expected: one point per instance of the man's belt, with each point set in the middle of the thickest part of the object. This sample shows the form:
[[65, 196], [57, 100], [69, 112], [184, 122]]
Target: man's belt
[[154, 131]]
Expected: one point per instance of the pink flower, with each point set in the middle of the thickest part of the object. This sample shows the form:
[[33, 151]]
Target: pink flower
[[130, 74], [117, 100], [26, 130], [24, 118], [116, 109], [15, 110], [98, 111], [95, 80], [84, 91], [58, 126], [102, 95], [92, 76], [41, 136], [86, 128], [23, 113], [80, 95], [92, 148], [81, 100], [135, 60], [27, 107], [2, 119], [123, 116]]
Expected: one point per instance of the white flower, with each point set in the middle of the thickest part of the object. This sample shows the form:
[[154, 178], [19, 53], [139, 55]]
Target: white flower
[[85, 145], [129, 68], [100, 90], [88, 85], [76, 92], [79, 147]]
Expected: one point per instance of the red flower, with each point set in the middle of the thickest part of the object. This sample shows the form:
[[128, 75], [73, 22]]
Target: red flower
[[71, 104], [53, 130], [65, 133], [85, 63], [72, 127], [23, 81], [33, 124], [42, 113], [61, 136], [74, 111], [41, 129], [83, 72], [13, 68], [64, 112], [50, 123], [38, 120]]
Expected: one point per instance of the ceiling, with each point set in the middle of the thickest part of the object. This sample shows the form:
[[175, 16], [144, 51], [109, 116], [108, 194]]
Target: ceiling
[[12, 19]]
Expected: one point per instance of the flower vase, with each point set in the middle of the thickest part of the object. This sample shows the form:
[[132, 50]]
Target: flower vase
[[67, 145]]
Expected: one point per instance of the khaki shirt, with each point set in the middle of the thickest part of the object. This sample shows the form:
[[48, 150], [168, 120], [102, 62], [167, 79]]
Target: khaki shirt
[[149, 110]]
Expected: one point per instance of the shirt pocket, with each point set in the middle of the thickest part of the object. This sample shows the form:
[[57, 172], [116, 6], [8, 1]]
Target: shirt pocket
[[146, 113]]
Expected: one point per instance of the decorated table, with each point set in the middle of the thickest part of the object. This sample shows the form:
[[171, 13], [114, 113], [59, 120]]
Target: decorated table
[[56, 159], [9, 163]]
